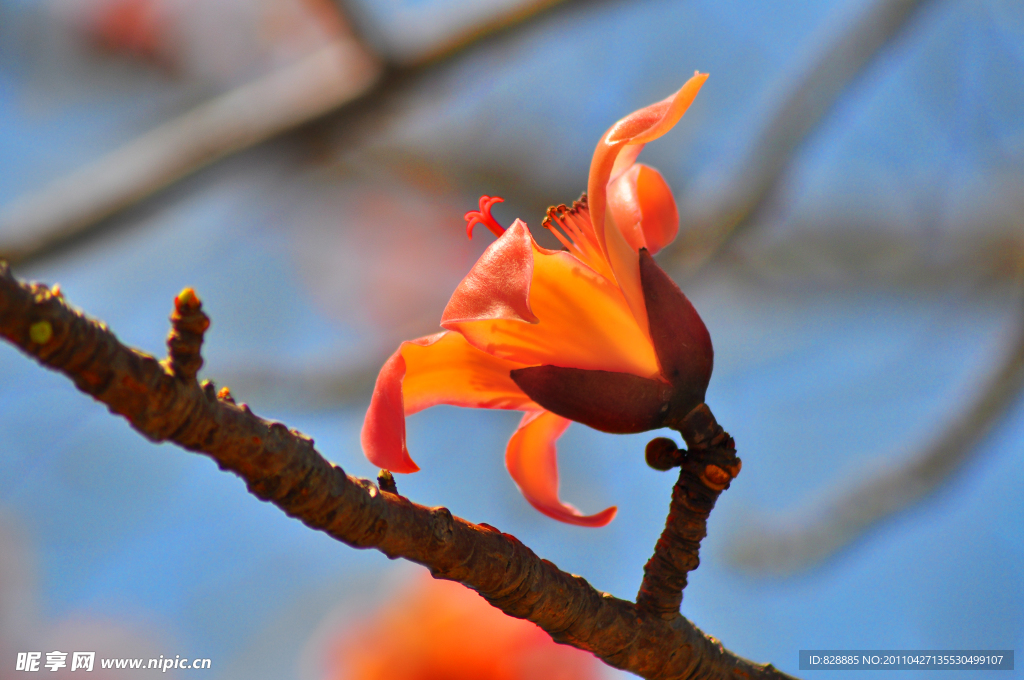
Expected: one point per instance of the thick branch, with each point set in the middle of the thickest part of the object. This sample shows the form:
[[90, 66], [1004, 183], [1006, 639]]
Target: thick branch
[[281, 466], [707, 468]]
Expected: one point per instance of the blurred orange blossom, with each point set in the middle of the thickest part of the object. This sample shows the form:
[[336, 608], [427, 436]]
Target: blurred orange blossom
[[595, 333], [440, 630]]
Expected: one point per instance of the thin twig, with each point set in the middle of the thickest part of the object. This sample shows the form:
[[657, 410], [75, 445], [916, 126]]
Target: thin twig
[[818, 530], [281, 466], [710, 217], [250, 114]]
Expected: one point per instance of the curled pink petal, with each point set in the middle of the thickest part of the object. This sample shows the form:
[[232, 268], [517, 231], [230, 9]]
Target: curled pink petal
[[642, 206], [498, 285], [639, 127], [531, 459], [616, 151]]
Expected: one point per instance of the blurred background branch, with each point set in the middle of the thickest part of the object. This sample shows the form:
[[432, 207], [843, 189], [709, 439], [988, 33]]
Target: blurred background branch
[[315, 85], [276, 103], [840, 514], [727, 197]]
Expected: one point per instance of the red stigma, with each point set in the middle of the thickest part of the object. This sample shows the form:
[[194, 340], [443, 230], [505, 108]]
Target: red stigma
[[483, 216]]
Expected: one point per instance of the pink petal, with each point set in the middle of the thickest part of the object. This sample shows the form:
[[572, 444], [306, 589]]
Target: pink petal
[[531, 459], [498, 285], [643, 208]]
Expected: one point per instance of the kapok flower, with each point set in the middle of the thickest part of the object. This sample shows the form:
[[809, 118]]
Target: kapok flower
[[438, 630], [595, 333]]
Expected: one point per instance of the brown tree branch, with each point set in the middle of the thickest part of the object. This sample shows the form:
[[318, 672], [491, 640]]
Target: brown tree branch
[[164, 402], [707, 469]]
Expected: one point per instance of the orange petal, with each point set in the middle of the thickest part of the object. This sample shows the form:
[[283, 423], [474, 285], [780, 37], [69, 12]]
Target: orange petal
[[437, 369], [643, 208], [532, 461], [626, 138], [584, 322], [639, 127], [498, 285], [383, 434], [622, 259], [624, 161], [647, 124]]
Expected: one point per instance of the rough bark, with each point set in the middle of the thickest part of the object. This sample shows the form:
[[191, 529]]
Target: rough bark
[[706, 469], [163, 401]]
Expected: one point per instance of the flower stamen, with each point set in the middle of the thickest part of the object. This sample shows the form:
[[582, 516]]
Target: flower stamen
[[483, 216], [575, 232]]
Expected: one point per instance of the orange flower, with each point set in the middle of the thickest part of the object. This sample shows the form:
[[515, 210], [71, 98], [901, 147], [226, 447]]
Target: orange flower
[[137, 26], [596, 333], [443, 631]]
